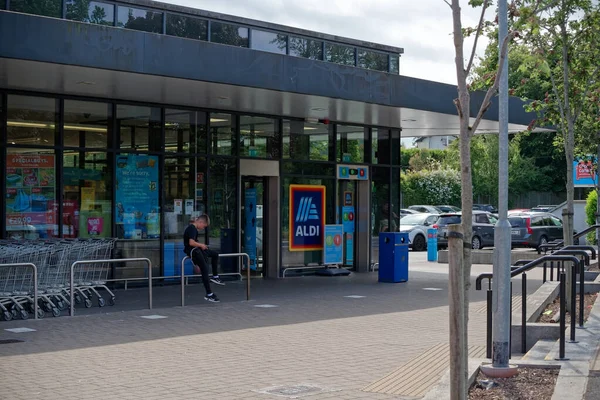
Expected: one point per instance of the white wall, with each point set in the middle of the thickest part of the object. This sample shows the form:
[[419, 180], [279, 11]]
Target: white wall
[[579, 223]]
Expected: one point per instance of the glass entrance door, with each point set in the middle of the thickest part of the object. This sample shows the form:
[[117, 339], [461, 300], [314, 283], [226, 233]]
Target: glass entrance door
[[347, 218], [253, 215]]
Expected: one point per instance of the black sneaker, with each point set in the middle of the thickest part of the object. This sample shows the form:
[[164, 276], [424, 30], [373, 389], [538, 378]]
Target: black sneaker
[[217, 280], [212, 298]]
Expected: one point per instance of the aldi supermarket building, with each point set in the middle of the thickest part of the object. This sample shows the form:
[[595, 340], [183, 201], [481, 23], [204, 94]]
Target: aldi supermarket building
[[124, 119]]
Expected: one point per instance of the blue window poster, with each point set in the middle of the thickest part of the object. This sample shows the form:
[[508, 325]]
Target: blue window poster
[[250, 226], [136, 209], [334, 249]]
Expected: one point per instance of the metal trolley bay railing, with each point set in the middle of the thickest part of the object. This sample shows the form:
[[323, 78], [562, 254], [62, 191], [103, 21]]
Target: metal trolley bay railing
[[38, 273]]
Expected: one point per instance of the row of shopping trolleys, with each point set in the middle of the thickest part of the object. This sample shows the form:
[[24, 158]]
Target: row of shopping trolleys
[[53, 260]]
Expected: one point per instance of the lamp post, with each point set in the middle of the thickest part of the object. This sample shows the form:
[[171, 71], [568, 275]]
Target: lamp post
[[502, 238]]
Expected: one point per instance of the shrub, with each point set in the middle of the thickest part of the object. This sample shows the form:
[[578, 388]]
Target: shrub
[[431, 187]]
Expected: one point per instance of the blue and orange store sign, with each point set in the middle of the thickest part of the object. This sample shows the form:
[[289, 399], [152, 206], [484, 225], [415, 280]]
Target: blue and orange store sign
[[307, 217]]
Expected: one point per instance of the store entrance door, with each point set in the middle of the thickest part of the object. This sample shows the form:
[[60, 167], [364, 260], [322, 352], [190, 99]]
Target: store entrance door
[[253, 189], [260, 231], [353, 213]]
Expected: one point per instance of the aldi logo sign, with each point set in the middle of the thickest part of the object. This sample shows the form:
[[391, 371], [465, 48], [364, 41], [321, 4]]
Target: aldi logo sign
[[306, 217]]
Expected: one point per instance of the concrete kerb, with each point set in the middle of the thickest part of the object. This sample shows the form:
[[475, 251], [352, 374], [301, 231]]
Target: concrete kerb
[[574, 372]]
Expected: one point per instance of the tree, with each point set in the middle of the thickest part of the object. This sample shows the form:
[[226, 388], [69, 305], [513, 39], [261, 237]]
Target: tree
[[564, 41]]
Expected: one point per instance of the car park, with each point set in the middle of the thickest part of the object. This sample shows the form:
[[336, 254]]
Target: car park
[[426, 209], [532, 229], [416, 226], [483, 228]]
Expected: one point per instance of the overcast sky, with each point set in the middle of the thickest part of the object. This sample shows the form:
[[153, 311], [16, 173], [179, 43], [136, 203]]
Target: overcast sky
[[422, 27]]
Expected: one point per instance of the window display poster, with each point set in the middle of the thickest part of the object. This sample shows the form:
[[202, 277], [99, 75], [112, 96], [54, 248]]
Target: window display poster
[[30, 195], [136, 209]]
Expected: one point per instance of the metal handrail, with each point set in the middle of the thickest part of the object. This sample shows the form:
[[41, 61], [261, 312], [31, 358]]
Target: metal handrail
[[527, 267], [523, 270], [35, 283], [111, 261], [582, 247], [243, 255]]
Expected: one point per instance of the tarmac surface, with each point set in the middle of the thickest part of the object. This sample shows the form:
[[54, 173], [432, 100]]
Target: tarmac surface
[[327, 337]]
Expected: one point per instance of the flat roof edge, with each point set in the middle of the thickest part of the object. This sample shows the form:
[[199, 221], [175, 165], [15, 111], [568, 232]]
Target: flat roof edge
[[159, 5]]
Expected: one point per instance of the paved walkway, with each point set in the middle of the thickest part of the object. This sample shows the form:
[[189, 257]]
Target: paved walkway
[[315, 335]]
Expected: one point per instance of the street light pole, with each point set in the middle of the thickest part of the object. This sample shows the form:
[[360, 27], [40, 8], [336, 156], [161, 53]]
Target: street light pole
[[502, 239]]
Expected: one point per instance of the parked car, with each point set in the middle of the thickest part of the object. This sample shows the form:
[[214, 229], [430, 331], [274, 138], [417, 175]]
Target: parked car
[[426, 209], [485, 207], [543, 208], [407, 211], [483, 228], [518, 210], [532, 229], [448, 209], [416, 226]]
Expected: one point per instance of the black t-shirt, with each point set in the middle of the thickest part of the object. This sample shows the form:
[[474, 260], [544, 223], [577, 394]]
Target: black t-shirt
[[190, 233]]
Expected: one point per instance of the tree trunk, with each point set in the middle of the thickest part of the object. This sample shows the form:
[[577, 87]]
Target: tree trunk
[[463, 108]]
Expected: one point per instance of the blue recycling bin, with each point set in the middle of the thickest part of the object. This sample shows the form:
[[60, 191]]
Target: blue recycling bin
[[431, 244], [393, 257]]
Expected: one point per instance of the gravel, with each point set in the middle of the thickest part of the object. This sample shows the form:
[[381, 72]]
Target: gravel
[[528, 384]]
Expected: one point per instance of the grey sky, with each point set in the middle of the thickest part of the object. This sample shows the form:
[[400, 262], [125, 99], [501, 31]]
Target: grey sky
[[422, 27]]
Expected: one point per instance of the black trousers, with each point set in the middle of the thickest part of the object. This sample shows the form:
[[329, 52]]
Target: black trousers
[[199, 258]]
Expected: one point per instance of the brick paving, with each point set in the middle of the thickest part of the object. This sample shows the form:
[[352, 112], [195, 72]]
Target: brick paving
[[232, 350]]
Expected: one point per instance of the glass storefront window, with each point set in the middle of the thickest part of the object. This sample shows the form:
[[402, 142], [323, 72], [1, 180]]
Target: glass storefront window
[[339, 54], [373, 60], [139, 20], [137, 212], [87, 194], [187, 27], [396, 146], [47, 8], [307, 141], [259, 137], [139, 128], [223, 209], [350, 144], [380, 207], [185, 188], [269, 41], [222, 134], [380, 146], [94, 12], [31, 208], [185, 131], [395, 64], [31, 120], [228, 34], [306, 48], [87, 124]]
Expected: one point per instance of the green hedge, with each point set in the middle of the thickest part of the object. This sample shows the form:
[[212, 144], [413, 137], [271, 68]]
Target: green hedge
[[441, 187]]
